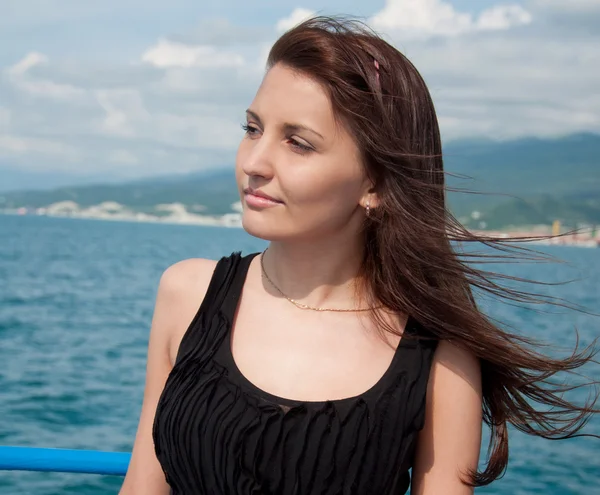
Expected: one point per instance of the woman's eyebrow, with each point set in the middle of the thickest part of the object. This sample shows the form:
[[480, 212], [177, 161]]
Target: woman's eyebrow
[[288, 127], [255, 116], [300, 127]]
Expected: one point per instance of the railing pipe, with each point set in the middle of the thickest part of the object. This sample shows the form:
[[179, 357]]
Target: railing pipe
[[63, 460]]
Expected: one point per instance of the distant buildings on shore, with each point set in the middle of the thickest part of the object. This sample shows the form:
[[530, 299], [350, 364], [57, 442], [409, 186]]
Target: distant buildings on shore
[[178, 213], [584, 236]]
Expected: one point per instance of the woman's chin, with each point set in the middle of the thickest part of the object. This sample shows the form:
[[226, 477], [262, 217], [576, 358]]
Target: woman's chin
[[258, 226]]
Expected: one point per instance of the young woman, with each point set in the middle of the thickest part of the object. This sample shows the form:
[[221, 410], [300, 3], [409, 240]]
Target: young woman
[[352, 349]]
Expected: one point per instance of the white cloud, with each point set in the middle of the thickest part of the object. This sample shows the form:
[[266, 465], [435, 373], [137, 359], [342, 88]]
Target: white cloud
[[430, 18], [168, 53], [297, 16], [20, 74], [123, 110], [30, 60], [503, 17], [492, 86]]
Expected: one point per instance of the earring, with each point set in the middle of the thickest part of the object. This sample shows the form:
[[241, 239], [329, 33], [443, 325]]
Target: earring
[[368, 208]]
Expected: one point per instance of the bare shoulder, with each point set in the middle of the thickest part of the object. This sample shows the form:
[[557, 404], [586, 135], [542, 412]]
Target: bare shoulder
[[449, 443], [185, 275], [181, 290], [455, 379], [450, 359]]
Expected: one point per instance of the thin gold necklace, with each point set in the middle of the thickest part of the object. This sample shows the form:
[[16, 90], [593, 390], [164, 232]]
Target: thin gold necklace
[[301, 305]]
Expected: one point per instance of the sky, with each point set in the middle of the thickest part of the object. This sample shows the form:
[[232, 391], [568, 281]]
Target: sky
[[133, 88]]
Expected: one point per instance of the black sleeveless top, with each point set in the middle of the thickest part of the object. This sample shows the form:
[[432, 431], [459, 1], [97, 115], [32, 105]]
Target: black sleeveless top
[[215, 433]]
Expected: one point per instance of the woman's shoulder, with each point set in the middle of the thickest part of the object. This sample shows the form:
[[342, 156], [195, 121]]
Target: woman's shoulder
[[191, 273], [181, 289], [189, 279], [184, 272]]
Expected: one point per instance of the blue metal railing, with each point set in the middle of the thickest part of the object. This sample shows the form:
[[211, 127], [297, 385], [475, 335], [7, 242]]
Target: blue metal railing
[[63, 460]]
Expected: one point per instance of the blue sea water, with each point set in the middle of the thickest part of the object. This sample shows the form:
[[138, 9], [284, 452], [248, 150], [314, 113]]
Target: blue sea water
[[76, 301]]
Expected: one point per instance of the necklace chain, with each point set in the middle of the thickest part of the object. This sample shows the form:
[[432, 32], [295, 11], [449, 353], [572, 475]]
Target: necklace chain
[[301, 305]]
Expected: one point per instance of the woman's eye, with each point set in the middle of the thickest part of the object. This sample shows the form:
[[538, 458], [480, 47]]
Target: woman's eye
[[301, 148], [249, 129], [297, 146]]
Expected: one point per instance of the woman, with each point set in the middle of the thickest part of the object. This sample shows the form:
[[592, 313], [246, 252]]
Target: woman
[[352, 349]]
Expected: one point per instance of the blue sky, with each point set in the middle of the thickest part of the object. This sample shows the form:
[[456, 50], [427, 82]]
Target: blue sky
[[129, 88]]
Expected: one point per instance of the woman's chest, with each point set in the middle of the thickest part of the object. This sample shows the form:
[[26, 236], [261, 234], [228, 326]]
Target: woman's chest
[[212, 431], [315, 357]]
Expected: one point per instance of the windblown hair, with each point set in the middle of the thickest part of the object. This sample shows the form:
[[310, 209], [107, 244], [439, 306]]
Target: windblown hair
[[412, 262]]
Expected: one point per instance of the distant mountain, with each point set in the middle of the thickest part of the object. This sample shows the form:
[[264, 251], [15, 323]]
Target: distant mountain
[[523, 168], [529, 181], [570, 210], [215, 191]]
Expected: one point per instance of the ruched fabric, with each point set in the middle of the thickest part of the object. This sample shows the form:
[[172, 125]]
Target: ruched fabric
[[215, 433]]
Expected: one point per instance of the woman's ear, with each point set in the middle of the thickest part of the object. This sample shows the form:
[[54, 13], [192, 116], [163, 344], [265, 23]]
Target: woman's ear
[[369, 202], [370, 198]]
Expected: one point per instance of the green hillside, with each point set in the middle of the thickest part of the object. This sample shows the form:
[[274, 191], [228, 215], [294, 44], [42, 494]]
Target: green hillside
[[561, 168], [215, 191], [570, 210]]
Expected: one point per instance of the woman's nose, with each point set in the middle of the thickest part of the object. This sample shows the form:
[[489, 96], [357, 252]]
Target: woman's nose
[[258, 160]]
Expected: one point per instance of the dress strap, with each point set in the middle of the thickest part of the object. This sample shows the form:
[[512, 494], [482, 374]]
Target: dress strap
[[234, 289], [219, 298]]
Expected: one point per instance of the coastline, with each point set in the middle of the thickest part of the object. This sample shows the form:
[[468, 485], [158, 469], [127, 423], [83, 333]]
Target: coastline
[[547, 236], [177, 214], [174, 213]]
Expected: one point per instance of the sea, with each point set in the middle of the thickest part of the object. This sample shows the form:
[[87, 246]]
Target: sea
[[76, 302]]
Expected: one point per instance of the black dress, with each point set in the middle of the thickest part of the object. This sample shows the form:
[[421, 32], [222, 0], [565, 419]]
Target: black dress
[[215, 433]]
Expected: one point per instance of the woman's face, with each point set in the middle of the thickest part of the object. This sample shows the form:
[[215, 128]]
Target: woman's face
[[297, 154]]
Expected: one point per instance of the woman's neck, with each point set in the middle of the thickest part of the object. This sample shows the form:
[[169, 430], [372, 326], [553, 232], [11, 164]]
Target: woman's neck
[[318, 274]]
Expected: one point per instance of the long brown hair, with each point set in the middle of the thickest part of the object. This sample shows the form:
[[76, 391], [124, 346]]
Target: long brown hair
[[413, 262]]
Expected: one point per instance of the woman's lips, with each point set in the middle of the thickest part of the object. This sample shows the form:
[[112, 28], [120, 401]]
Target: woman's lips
[[258, 199]]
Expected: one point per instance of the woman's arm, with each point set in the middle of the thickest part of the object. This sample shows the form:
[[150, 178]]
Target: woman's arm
[[450, 441], [182, 287]]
